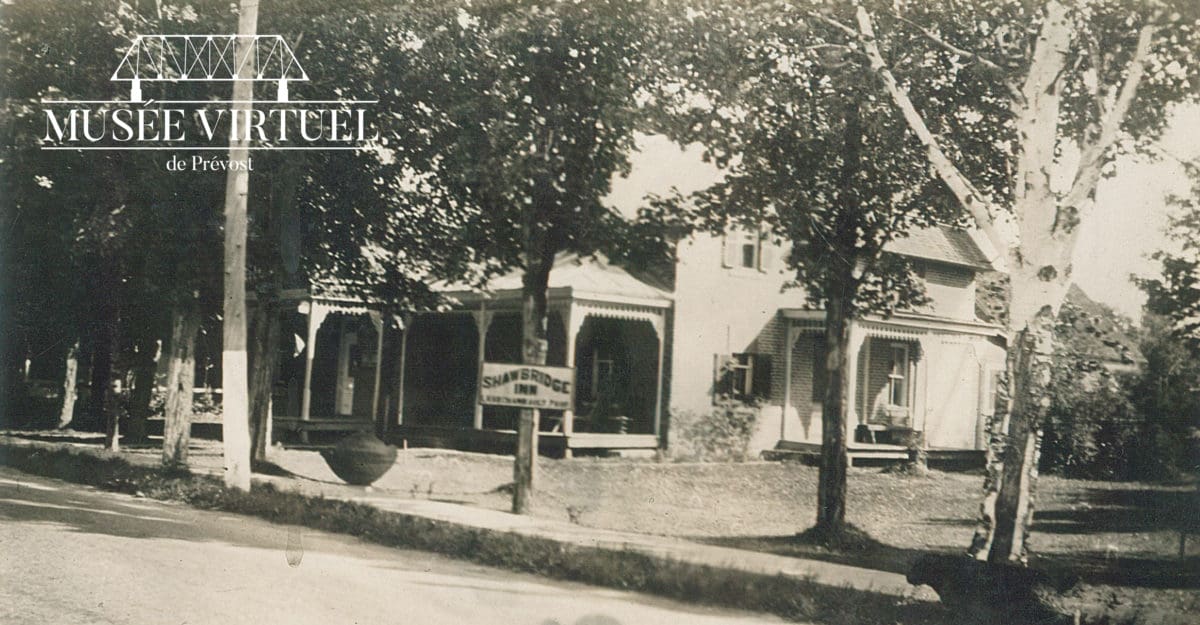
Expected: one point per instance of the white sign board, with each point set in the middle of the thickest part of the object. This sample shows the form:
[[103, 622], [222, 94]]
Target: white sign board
[[527, 386]]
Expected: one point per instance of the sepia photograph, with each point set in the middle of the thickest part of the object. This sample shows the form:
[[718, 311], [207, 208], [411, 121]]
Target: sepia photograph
[[600, 312]]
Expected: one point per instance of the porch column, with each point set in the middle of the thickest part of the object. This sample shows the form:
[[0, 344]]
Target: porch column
[[405, 322], [659, 331], [922, 368], [858, 336], [573, 318], [483, 320], [316, 316], [789, 342], [377, 321]]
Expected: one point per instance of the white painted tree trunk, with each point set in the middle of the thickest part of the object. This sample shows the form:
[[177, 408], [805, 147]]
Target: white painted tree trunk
[[181, 373], [67, 413], [235, 401], [1039, 261]]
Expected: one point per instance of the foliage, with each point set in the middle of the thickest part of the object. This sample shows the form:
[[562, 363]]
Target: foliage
[[96, 238], [529, 109], [1176, 294], [205, 406], [1084, 427], [1135, 426], [719, 435], [811, 154]]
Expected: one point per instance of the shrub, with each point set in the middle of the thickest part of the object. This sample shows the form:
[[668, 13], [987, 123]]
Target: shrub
[[719, 435], [203, 404]]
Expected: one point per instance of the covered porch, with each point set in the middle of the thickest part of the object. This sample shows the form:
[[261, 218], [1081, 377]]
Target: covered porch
[[606, 324], [914, 380], [329, 367]]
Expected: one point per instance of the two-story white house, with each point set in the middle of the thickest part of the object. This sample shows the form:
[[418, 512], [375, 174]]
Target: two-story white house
[[738, 333], [723, 327]]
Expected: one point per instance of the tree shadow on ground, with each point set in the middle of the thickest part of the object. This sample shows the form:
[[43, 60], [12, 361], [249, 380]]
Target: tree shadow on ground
[[1134, 572], [876, 555], [1125, 511], [1089, 567]]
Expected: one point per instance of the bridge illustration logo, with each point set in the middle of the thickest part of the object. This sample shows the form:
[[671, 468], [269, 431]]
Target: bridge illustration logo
[[146, 122], [173, 58]]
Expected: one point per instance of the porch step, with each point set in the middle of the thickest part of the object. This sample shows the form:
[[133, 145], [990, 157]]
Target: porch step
[[812, 457], [875, 455]]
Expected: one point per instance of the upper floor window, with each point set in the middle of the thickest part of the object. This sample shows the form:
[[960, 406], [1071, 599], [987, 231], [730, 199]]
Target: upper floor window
[[746, 250], [750, 255]]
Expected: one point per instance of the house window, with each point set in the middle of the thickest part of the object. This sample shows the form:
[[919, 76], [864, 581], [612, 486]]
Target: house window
[[749, 255], [746, 250], [898, 377], [742, 376]]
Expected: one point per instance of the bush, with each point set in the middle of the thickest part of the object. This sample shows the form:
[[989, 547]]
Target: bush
[[204, 405], [1094, 430], [720, 435], [1087, 429]]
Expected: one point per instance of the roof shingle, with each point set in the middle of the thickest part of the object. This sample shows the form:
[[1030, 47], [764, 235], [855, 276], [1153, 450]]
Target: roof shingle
[[942, 244]]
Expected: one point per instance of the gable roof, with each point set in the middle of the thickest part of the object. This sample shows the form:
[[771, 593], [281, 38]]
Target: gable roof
[[943, 244], [585, 276]]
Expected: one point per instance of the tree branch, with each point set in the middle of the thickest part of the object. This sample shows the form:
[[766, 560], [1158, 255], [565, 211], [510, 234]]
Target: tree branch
[[1091, 159], [946, 45], [980, 207], [836, 24]]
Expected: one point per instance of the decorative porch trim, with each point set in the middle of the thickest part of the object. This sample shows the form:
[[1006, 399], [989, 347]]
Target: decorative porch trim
[[880, 331], [627, 312], [901, 322]]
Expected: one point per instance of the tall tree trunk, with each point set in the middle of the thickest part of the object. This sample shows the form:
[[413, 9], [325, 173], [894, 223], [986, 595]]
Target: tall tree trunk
[[67, 412], [264, 349], [831, 480], [143, 391], [1022, 402], [1040, 263], [1040, 274], [98, 380], [839, 308], [181, 373], [533, 352], [104, 337], [235, 421]]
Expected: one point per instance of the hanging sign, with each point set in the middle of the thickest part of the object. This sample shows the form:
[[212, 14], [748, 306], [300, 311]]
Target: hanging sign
[[527, 386]]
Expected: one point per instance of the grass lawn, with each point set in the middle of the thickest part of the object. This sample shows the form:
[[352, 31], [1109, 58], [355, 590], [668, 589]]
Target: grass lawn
[[1121, 537]]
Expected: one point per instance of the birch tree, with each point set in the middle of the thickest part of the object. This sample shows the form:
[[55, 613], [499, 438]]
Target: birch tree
[[1066, 87]]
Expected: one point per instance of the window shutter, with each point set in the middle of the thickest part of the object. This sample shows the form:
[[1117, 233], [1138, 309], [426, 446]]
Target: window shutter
[[764, 253], [760, 374], [717, 378]]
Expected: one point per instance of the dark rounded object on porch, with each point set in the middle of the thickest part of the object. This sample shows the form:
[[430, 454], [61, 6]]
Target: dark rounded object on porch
[[360, 458]]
